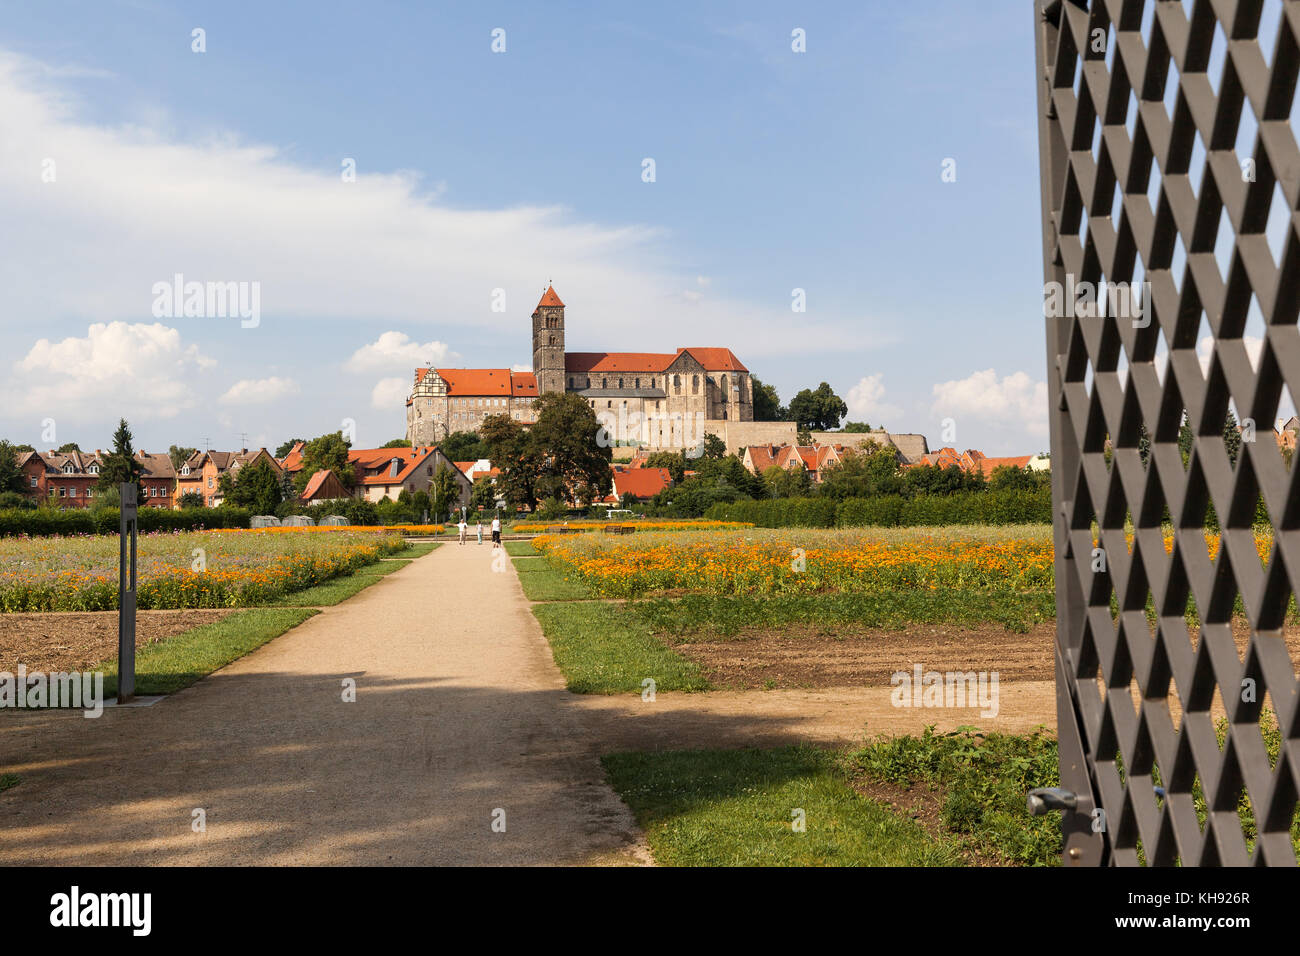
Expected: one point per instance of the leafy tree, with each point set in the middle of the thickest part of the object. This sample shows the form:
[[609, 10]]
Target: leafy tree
[[518, 458], [11, 476], [67, 447], [767, 404], [328, 451], [179, 455], [566, 435], [863, 472], [23, 448], [674, 461], [285, 447], [464, 446], [396, 443], [819, 409], [1011, 478], [712, 447], [120, 466], [552, 508], [12, 499], [854, 428], [191, 499], [934, 480], [444, 491], [255, 487], [484, 495], [787, 482]]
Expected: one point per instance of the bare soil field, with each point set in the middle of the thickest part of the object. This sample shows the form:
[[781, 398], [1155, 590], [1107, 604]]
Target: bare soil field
[[807, 657], [77, 640]]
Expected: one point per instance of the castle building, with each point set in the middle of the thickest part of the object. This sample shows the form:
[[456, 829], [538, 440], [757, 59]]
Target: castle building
[[656, 399]]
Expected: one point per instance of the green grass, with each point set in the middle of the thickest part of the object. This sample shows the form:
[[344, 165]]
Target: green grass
[[736, 808], [541, 581], [8, 780], [704, 616], [982, 780], [178, 662], [520, 549], [603, 649]]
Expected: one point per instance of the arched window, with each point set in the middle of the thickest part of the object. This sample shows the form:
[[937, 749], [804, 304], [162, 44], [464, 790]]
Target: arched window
[[604, 383], [677, 384], [637, 383], [620, 383], [722, 385], [695, 385], [552, 339]]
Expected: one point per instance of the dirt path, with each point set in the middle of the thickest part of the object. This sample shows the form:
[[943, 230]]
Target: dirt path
[[459, 713], [835, 716]]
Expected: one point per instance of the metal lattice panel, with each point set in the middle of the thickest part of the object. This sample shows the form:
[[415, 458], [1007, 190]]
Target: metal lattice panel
[[1143, 145]]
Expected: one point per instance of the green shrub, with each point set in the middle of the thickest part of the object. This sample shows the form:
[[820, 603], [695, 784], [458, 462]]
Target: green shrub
[[44, 522], [1008, 506]]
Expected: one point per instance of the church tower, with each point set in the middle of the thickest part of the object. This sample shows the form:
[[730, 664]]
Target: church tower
[[548, 343]]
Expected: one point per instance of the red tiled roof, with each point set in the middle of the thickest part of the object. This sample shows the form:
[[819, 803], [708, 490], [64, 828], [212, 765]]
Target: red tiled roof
[[483, 381], [1016, 461], [642, 482], [374, 465], [550, 298], [716, 360], [713, 360], [314, 485], [587, 362]]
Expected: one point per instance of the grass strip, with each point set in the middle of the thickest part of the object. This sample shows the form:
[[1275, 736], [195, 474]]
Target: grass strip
[[542, 581], [740, 808], [167, 666], [8, 780], [601, 649], [710, 616]]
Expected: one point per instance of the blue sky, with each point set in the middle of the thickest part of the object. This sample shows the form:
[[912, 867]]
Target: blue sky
[[478, 171]]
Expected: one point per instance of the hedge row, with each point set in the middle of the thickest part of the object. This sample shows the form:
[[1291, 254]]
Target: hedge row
[[969, 507], [41, 522]]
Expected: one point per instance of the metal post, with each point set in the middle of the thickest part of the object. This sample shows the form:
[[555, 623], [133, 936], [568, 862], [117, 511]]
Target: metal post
[[126, 582]]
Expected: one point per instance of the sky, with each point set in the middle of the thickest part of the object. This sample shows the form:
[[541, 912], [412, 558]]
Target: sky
[[399, 182]]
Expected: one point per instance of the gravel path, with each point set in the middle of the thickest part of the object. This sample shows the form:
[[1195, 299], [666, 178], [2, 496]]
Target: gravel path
[[459, 714]]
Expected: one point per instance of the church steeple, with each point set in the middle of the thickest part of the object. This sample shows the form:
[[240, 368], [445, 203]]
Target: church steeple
[[548, 343]]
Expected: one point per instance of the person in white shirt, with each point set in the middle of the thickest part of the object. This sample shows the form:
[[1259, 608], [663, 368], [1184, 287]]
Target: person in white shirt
[[462, 527], [496, 531], [479, 530]]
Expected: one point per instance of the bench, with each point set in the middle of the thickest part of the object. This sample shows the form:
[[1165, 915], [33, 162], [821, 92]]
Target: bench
[[620, 528]]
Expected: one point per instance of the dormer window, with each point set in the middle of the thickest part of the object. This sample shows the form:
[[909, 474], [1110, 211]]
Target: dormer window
[[185, 470], [93, 469], [68, 469]]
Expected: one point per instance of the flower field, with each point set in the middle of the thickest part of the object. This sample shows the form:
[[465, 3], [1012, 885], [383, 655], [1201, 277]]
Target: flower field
[[812, 561], [183, 569], [640, 525]]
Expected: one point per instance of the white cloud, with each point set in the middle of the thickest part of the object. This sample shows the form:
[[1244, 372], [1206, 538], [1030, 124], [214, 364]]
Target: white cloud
[[259, 391], [132, 206], [390, 393], [1015, 401], [394, 350], [134, 370], [866, 402]]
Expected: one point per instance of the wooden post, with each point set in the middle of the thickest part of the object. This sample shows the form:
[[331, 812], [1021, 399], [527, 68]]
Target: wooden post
[[126, 582]]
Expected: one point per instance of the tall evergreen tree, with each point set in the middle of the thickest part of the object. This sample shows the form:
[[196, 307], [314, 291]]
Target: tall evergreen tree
[[121, 465]]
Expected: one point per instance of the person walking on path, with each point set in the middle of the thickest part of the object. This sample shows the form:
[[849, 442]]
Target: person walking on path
[[479, 530], [496, 531], [463, 527]]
